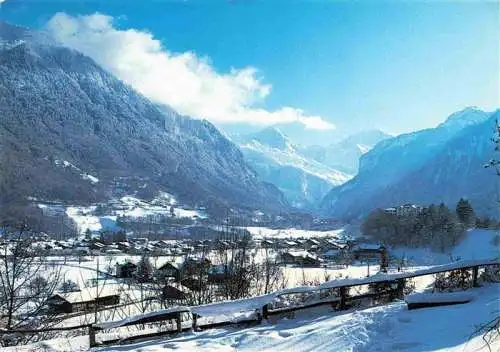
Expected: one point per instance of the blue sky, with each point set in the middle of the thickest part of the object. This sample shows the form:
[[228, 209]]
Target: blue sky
[[356, 65]]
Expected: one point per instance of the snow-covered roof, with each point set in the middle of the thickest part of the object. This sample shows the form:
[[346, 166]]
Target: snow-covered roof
[[301, 254], [88, 294], [331, 252], [369, 246]]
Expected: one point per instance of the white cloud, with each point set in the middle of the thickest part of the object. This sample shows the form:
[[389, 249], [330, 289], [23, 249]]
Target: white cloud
[[184, 81]]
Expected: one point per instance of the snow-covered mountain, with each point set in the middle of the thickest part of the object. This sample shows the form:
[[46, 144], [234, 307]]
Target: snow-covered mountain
[[303, 180], [345, 154], [57, 104], [435, 165]]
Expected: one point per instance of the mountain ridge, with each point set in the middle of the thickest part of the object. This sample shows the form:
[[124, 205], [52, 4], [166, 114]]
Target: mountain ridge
[[404, 168], [57, 103]]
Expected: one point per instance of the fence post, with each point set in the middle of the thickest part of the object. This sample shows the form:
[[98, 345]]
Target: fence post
[[178, 322], [475, 272], [400, 288], [265, 312], [92, 342], [195, 321], [343, 296]]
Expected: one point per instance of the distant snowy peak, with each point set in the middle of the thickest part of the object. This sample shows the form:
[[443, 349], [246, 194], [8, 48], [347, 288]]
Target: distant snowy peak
[[272, 137], [363, 140], [466, 117], [290, 157], [363, 148], [344, 155], [303, 179]]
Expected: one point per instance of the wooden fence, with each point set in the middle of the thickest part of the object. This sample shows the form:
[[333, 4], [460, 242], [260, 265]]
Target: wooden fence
[[396, 283]]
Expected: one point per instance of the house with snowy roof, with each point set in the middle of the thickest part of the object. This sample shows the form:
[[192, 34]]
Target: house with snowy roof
[[84, 300], [300, 258]]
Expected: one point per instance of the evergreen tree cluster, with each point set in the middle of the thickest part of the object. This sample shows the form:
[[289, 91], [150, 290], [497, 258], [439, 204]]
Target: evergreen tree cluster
[[465, 213], [436, 226]]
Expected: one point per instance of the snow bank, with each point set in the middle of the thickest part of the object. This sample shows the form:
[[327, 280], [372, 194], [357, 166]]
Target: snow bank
[[444, 297], [265, 232]]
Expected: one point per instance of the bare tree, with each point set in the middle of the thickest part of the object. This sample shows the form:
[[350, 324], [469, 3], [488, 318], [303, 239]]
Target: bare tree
[[26, 279]]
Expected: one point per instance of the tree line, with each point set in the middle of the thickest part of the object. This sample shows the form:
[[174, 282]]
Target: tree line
[[436, 226]]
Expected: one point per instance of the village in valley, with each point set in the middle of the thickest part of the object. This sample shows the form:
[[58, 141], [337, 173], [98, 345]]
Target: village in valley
[[113, 282]]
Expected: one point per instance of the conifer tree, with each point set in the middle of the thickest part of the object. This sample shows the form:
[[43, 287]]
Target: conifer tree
[[465, 212], [144, 269]]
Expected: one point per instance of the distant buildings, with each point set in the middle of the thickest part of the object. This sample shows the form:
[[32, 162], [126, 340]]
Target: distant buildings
[[405, 210], [300, 258]]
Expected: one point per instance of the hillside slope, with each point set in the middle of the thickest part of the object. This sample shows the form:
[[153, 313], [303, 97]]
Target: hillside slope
[[57, 104], [430, 166]]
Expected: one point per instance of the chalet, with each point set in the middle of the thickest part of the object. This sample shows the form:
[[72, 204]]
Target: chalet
[[169, 270], [84, 300], [332, 254], [267, 244], [124, 246], [289, 244], [81, 251], [195, 266], [366, 251], [311, 243], [96, 245], [171, 293], [300, 258], [126, 269], [163, 244], [217, 274], [222, 244]]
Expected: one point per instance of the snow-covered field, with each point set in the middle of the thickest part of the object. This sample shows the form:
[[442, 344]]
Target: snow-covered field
[[385, 328], [130, 207], [265, 232]]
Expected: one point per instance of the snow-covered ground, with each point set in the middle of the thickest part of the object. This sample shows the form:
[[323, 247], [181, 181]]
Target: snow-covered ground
[[265, 232], [84, 219], [385, 328], [131, 207]]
